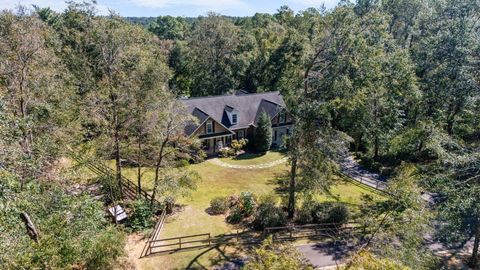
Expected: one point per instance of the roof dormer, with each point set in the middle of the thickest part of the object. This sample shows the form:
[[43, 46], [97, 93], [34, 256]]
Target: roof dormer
[[232, 114]]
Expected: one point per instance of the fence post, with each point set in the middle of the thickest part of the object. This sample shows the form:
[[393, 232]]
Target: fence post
[[209, 240], [180, 242]]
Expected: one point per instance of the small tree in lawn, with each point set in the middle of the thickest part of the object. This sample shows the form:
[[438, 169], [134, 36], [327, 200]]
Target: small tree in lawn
[[263, 134]]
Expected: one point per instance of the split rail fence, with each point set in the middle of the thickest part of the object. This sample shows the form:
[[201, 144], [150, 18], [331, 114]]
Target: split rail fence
[[129, 188]]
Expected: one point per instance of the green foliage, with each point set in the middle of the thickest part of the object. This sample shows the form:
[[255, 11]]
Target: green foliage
[[238, 145], [226, 152], [242, 207], [218, 205], [263, 133], [269, 215], [142, 216], [168, 27], [367, 261], [272, 255], [73, 230], [110, 188], [235, 216], [247, 203], [329, 212], [403, 218]]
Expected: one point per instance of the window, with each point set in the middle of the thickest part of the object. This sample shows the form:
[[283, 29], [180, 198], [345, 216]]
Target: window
[[234, 118], [209, 126], [282, 117], [240, 135]]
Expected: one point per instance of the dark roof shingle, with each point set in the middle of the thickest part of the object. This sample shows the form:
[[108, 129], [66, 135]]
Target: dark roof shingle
[[249, 106]]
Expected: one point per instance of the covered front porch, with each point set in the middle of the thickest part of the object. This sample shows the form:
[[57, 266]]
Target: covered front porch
[[212, 143]]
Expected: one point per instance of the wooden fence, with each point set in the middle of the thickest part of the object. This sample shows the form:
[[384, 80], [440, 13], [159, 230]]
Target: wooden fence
[[147, 250], [174, 244], [289, 233], [130, 189]]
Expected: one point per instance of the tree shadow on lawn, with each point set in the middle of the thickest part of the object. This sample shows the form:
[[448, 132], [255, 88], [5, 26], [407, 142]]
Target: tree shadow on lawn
[[282, 183], [222, 256]]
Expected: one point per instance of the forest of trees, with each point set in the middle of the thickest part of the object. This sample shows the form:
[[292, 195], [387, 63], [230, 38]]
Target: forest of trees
[[397, 82]]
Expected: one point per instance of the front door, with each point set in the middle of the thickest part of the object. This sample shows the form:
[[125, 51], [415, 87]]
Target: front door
[[219, 145]]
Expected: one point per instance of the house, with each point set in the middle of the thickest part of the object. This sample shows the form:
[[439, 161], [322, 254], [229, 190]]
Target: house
[[222, 119]]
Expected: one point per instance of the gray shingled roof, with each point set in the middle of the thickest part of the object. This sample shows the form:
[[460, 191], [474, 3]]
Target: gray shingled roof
[[249, 107]]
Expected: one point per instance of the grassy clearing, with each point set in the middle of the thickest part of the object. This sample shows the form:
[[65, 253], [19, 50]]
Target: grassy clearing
[[254, 158], [220, 181]]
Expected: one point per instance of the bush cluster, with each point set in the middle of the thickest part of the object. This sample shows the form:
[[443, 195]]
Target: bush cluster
[[326, 212], [142, 215], [226, 152], [247, 209], [218, 205], [269, 215]]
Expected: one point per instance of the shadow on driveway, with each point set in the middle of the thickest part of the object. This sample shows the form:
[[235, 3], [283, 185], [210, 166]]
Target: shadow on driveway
[[326, 253]]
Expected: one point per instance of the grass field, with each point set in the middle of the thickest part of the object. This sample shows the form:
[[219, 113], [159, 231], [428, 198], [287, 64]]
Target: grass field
[[220, 181], [254, 158]]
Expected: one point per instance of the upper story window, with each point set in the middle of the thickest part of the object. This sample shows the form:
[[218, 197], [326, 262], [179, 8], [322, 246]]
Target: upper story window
[[209, 126], [282, 117], [234, 119]]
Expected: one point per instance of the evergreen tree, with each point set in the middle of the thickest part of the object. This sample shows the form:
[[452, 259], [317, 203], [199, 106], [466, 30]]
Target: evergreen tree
[[263, 133]]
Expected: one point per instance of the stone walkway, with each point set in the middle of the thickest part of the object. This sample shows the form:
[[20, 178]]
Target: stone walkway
[[218, 162]]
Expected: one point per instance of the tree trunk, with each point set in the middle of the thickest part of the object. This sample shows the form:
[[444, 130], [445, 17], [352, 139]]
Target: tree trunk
[[291, 191], [474, 258], [139, 167], [358, 141], [157, 170], [118, 165], [376, 146]]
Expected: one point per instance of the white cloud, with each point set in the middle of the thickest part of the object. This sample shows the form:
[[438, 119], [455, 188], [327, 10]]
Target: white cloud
[[208, 4], [57, 5], [316, 3]]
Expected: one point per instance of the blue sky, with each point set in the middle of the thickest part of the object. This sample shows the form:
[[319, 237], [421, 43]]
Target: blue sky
[[180, 7]]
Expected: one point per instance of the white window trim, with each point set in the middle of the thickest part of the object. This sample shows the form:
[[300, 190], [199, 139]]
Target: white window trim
[[209, 122]]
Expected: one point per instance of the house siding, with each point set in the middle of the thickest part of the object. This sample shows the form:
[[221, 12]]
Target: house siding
[[217, 128], [276, 120], [277, 141]]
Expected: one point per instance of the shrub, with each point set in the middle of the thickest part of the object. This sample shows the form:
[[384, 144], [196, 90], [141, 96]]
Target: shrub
[[196, 153], [109, 187], [338, 214], [263, 133], [226, 152], [235, 215], [278, 256], [247, 203], [142, 216], [218, 205], [269, 215], [329, 212], [304, 215], [320, 212], [74, 232], [238, 145]]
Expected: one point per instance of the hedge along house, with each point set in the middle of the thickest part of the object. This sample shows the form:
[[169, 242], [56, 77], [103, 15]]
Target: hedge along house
[[222, 119]]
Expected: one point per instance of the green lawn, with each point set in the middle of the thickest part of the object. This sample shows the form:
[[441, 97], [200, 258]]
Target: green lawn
[[254, 158], [220, 181]]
